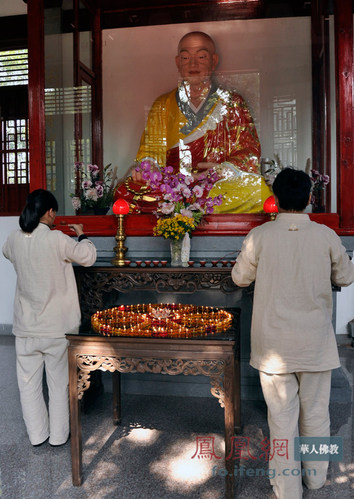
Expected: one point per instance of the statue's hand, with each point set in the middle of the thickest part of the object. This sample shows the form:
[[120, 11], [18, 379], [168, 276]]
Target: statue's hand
[[203, 168], [137, 177]]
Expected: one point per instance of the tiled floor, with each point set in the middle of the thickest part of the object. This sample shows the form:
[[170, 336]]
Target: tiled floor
[[150, 454]]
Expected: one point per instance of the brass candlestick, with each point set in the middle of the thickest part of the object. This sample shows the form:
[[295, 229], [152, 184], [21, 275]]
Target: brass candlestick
[[120, 208], [119, 249]]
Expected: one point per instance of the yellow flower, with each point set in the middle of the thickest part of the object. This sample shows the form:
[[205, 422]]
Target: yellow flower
[[174, 227]]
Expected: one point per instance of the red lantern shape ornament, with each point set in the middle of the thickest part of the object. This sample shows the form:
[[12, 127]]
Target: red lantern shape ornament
[[270, 207], [120, 209]]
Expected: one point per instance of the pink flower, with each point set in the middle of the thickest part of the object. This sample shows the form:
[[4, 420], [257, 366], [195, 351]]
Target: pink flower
[[186, 212], [186, 192], [167, 208], [188, 180], [76, 203], [91, 194], [178, 193], [198, 191], [194, 207], [86, 184]]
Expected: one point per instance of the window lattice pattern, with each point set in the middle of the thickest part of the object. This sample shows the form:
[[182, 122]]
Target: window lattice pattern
[[14, 151], [68, 100], [14, 67], [51, 167], [285, 132]]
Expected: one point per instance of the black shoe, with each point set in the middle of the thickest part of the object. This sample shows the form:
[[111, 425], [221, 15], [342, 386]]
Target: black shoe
[[44, 441], [60, 445]]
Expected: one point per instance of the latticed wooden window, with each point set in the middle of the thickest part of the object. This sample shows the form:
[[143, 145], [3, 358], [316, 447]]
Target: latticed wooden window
[[14, 150], [285, 129]]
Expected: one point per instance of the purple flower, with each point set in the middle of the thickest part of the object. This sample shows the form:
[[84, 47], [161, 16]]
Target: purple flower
[[94, 170], [86, 184], [99, 190], [78, 166], [218, 200]]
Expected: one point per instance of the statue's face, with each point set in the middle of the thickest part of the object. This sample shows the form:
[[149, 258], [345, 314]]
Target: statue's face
[[196, 59]]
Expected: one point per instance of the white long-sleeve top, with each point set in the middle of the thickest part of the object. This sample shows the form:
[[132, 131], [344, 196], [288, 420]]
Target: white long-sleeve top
[[293, 262], [46, 299]]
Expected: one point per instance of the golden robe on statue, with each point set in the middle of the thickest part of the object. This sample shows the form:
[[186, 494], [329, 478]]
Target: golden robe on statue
[[221, 131]]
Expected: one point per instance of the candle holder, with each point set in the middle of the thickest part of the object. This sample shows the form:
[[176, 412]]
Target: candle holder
[[120, 209]]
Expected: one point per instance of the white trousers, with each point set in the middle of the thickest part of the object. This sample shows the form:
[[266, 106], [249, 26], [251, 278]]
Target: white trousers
[[298, 404], [32, 356]]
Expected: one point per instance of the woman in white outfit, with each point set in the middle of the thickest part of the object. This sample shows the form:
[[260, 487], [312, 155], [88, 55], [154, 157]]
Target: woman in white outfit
[[46, 307]]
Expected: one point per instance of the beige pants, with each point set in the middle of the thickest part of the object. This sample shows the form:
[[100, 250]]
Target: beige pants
[[297, 404], [33, 355]]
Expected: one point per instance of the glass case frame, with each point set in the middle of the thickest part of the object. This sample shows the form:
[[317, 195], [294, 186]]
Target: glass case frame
[[342, 221]]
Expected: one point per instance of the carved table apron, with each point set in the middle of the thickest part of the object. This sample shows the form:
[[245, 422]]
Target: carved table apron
[[211, 355], [96, 283]]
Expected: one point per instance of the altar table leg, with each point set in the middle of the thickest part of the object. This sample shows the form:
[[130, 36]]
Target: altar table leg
[[116, 397], [75, 422], [237, 391], [229, 411]]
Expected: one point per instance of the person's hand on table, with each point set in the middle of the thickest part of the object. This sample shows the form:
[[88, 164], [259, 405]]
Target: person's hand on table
[[77, 228]]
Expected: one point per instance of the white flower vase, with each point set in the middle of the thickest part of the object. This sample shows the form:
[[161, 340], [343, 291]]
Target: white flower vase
[[180, 251], [186, 250]]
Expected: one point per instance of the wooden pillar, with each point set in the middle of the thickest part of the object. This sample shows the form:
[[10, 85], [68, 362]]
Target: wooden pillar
[[343, 23], [35, 19]]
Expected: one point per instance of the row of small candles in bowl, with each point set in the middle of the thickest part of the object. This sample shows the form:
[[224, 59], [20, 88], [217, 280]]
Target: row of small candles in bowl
[[160, 320], [191, 263]]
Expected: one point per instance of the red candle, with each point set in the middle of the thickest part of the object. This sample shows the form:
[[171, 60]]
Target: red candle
[[269, 205], [121, 207]]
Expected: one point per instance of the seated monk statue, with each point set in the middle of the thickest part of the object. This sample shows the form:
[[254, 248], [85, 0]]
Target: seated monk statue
[[200, 126]]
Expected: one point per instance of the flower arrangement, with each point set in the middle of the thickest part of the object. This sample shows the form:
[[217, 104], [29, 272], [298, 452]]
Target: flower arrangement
[[95, 192], [319, 181], [182, 201], [271, 169]]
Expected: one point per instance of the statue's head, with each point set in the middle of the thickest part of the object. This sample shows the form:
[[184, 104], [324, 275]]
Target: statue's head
[[196, 57]]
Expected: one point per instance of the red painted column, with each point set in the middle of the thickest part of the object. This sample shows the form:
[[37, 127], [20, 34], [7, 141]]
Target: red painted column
[[345, 115], [35, 17]]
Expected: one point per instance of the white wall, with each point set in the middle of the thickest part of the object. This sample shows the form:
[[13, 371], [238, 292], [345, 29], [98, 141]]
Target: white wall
[[8, 275], [345, 309], [139, 65], [345, 299]]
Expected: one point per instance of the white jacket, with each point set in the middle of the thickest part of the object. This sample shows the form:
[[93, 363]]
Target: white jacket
[[293, 262], [46, 299]]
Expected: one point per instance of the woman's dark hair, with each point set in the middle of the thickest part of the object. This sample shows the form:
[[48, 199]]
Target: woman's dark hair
[[292, 188], [37, 204]]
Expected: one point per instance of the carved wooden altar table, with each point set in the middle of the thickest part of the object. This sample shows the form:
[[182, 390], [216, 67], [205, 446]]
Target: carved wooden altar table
[[96, 285], [215, 355]]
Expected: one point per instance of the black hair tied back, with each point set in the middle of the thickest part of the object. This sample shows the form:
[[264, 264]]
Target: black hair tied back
[[37, 204]]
